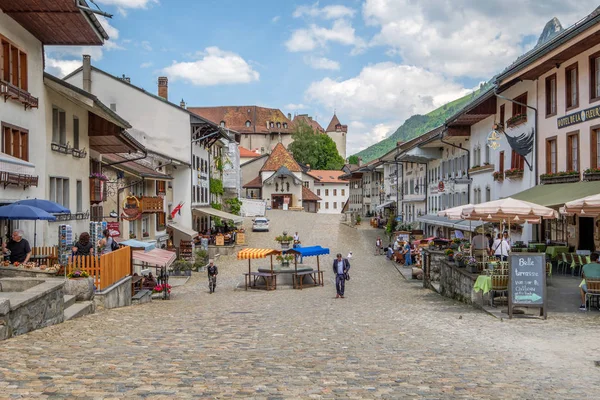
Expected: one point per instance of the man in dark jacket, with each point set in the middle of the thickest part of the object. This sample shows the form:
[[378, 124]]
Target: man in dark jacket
[[213, 271], [341, 266]]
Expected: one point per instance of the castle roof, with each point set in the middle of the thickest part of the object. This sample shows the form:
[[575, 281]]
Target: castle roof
[[309, 121], [238, 118], [245, 153], [334, 121]]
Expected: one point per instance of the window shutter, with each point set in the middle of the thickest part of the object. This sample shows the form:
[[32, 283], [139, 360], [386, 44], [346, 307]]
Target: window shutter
[[594, 148]]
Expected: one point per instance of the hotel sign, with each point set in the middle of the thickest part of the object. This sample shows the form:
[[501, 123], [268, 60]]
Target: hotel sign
[[578, 117]]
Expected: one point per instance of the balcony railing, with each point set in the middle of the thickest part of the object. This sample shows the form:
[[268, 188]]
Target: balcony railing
[[10, 178], [10, 91], [151, 204]]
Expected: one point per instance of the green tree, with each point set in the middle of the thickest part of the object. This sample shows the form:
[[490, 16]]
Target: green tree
[[318, 150], [353, 160]]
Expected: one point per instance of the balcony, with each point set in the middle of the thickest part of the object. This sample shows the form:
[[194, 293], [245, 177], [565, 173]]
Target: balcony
[[151, 204], [14, 171], [9, 178], [10, 91]]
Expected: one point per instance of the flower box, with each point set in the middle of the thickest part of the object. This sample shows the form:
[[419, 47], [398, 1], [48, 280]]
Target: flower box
[[513, 173], [591, 175], [499, 176], [559, 177], [481, 168], [516, 120]]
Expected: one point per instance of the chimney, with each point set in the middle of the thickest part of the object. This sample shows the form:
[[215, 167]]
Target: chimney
[[87, 73], [308, 166], [290, 116], [126, 79], [182, 104], [163, 87]]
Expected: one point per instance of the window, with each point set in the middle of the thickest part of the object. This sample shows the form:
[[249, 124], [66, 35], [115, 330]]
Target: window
[[551, 95], [79, 196], [133, 227], [59, 191], [501, 161], [318, 192], [573, 151], [502, 115], [326, 205], [572, 86], [285, 125], [14, 67], [75, 132], [488, 194], [595, 146], [306, 184], [272, 125], [335, 192], [248, 123], [343, 192], [517, 161], [145, 224], [222, 124], [279, 124], [161, 187], [334, 205], [15, 141], [161, 221], [326, 192], [519, 109], [551, 155], [595, 77], [59, 129], [487, 154]]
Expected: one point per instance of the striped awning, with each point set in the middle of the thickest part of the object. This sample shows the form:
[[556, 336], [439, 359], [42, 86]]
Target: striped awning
[[247, 254], [157, 257]]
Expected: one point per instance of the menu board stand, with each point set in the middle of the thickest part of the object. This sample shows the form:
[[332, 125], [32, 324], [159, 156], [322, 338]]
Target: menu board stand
[[527, 282]]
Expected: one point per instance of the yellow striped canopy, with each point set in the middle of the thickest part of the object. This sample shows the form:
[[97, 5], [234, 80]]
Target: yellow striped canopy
[[247, 254]]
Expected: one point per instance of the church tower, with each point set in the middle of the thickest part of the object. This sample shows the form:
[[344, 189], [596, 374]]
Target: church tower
[[337, 132]]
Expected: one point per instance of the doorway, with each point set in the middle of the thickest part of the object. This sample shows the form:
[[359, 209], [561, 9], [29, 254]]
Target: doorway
[[586, 233]]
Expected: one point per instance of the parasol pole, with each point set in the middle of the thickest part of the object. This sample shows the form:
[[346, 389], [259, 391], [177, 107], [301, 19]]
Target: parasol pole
[[319, 270]]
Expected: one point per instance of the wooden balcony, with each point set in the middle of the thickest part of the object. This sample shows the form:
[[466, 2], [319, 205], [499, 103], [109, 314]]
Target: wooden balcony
[[10, 178], [151, 204], [10, 91]]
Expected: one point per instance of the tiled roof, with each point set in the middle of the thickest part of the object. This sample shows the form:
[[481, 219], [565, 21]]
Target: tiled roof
[[310, 121], [236, 117], [334, 121], [254, 183], [308, 195], [245, 153], [280, 157], [327, 176]]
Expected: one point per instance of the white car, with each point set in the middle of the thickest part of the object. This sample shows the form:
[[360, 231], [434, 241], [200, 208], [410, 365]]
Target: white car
[[260, 224]]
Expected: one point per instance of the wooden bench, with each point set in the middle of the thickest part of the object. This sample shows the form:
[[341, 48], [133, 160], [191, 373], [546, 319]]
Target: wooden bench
[[269, 278], [314, 275], [136, 284]]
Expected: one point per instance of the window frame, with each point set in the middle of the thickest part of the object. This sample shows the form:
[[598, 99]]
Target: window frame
[[592, 79], [76, 132], [22, 133], [65, 190], [569, 137], [549, 92], [502, 114], [574, 66], [517, 161], [549, 158], [7, 67], [501, 161], [594, 137], [522, 98]]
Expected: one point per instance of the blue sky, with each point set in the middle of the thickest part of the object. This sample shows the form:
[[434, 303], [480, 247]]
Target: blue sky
[[376, 62]]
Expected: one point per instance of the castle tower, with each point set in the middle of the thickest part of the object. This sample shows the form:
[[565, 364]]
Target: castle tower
[[337, 132]]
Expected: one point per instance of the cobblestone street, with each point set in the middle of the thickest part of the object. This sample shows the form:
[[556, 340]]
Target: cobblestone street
[[388, 338]]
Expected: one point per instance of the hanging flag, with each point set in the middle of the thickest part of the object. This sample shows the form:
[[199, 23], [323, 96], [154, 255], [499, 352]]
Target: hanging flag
[[177, 209]]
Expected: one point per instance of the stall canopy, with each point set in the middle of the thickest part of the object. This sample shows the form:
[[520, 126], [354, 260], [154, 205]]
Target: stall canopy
[[221, 214], [248, 254], [157, 257], [137, 244], [308, 251], [558, 194]]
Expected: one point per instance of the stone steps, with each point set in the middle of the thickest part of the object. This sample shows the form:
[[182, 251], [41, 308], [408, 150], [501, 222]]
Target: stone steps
[[141, 297], [79, 309], [68, 300]]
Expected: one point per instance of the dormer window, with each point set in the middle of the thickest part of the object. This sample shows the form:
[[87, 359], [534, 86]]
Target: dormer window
[[248, 124], [285, 125], [272, 125], [222, 124], [279, 124]]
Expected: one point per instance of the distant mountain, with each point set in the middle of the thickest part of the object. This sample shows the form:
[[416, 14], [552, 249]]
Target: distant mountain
[[418, 125], [552, 28]]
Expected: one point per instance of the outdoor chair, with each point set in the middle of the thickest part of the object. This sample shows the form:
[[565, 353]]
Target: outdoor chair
[[499, 285], [548, 270], [565, 263], [576, 263], [593, 290]]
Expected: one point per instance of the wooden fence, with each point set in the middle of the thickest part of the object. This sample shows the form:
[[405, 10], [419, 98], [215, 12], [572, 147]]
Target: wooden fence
[[105, 269], [50, 251]]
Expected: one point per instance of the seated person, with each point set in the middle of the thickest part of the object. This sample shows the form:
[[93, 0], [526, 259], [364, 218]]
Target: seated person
[[149, 281], [591, 270], [389, 251]]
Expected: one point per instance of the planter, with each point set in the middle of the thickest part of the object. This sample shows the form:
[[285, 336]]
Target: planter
[[472, 269], [516, 120], [81, 288], [549, 180], [285, 245], [460, 264], [483, 168], [514, 175], [591, 176]]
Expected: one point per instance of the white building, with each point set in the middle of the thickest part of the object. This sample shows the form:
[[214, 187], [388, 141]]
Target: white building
[[333, 191]]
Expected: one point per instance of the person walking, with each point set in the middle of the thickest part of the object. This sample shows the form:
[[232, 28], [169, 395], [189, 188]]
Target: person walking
[[378, 246], [213, 271], [407, 253], [341, 266], [501, 248]]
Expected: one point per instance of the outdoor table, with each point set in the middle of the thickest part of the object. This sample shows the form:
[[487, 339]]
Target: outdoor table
[[483, 283], [541, 247], [555, 251]]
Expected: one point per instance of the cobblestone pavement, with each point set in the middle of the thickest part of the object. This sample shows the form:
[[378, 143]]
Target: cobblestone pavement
[[387, 339]]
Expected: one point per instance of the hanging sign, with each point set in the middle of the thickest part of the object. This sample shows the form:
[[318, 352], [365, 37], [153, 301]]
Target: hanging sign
[[493, 139], [114, 229], [578, 117], [131, 209], [441, 186]]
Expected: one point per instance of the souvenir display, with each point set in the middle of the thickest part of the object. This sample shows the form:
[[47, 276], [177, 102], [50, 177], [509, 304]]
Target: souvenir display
[[96, 229], [65, 243]]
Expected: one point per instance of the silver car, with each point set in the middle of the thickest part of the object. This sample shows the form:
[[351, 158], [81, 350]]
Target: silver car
[[260, 224]]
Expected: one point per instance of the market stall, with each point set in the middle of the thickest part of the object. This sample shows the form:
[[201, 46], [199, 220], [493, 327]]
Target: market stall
[[316, 276], [251, 278]]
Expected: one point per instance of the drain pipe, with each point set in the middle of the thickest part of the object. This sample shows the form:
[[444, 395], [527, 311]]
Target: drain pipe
[[535, 128], [468, 160]]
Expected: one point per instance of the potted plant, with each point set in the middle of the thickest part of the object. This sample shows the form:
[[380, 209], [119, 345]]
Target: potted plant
[[145, 234], [450, 254], [131, 235], [80, 285], [182, 268], [284, 240], [162, 288], [358, 219], [498, 176], [201, 260], [285, 259], [472, 265], [459, 258]]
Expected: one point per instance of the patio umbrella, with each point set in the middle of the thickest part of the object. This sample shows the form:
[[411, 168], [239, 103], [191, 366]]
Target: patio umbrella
[[25, 213], [46, 205], [585, 205], [456, 213]]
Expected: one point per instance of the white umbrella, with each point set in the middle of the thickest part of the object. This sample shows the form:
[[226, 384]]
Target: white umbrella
[[585, 205], [507, 209]]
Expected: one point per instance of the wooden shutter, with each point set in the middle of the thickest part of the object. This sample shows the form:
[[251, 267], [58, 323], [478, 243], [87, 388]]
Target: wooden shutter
[[594, 148], [25, 146], [501, 162]]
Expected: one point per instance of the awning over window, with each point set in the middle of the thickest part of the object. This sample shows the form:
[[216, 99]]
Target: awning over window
[[387, 204], [184, 231], [218, 213], [557, 195], [450, 223], [157, 257]]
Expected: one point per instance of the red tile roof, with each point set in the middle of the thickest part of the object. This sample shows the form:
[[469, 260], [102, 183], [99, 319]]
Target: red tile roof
[[236, 117], [327, 176], [280, 157], [245, 153], [254, 183], [335, 125], [309, 121], [308, 195]]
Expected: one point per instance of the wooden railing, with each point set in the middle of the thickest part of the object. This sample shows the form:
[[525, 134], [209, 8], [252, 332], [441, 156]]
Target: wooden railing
[[10, 178], [8, 90], [105, 269], [151, 204], [50, 251]]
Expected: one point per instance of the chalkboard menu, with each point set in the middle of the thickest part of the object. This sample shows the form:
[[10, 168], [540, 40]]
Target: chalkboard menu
[[527, 281]]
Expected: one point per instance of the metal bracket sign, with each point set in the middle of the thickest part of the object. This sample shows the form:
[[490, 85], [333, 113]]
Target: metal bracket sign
[[527, 282]]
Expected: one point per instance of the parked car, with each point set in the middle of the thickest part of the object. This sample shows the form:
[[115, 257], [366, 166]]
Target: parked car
[[260, 224]]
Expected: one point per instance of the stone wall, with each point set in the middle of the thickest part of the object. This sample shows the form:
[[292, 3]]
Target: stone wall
[[117, 295], [455, 282], [432, 267]]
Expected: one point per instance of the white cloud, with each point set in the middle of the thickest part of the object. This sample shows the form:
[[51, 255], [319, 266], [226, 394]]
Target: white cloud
[[322, 63], [294, 107], [61, 68], [275, 19], [362, 135], [123, 5], [327, 12], [146, 45], [314, 36], [463, 37], [146, 64], [216, 67]]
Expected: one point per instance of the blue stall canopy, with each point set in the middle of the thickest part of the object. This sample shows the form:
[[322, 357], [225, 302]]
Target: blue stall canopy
[[308, 251], [136, 243]]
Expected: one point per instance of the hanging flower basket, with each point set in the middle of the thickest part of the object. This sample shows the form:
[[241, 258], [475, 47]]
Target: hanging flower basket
[[499, 176], [513, 173], [560, 177]]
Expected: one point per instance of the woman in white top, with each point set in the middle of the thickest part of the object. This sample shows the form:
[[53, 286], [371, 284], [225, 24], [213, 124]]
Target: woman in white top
[[106, 242], [501, 248]]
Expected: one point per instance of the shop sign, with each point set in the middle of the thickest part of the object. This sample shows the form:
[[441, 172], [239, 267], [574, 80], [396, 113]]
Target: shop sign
[[114, 229], [441, 186], [131, 209], [578, 117]]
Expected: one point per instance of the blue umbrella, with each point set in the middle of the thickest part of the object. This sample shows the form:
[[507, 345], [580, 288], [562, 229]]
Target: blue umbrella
[[23, 212], [46, 205]]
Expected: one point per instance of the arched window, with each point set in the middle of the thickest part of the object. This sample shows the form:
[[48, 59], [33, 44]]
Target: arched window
[[279, 124], [222, 124], [285, 125], [272, 125], [247, 124]]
